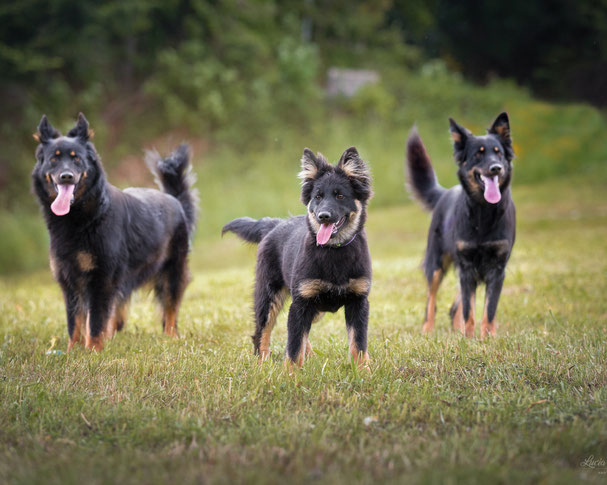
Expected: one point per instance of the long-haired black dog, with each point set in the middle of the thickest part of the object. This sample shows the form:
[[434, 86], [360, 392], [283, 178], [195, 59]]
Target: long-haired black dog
[[473, 224], [321, 260], [104, 242]]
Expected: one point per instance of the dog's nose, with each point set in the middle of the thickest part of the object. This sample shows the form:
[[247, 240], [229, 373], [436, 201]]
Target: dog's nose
[[66, 177], [324, 216], [495, 169]]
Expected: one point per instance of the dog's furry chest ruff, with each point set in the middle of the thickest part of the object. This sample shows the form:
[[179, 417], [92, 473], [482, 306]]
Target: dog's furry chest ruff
[[330, 276]]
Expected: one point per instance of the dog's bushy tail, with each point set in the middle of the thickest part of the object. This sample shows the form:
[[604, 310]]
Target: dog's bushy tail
[[421, 179], [251, 230], [174, 176]]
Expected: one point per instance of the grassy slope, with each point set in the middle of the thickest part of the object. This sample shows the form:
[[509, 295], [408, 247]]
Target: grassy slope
[[527, 406]]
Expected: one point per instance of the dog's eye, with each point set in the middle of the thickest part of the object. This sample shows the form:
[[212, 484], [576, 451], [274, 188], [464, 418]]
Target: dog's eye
[[496, 149], [339, 196], [318, 197], [481, 149]]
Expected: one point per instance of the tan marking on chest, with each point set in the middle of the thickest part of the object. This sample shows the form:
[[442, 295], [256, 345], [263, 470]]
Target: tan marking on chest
[[462, 245], [501, 246], [85, 261], [313, 287]]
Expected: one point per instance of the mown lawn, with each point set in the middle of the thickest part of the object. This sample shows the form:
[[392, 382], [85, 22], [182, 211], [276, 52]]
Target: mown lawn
[[528, 406]]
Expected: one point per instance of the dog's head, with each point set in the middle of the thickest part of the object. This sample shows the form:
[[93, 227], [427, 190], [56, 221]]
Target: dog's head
[[485, 162], [336, 196], [65, 165]]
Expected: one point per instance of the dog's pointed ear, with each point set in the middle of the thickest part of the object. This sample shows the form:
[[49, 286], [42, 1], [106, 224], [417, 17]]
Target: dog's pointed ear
[[460, 136], [501, 129], [45, 132], [312, 167], [81, 130], [357, 171]]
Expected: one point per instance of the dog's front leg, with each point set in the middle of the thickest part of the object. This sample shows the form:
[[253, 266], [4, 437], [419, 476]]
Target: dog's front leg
[[495, 281], [301, 314], [76, 316], [357, 319], [100, 307], [468, 288]]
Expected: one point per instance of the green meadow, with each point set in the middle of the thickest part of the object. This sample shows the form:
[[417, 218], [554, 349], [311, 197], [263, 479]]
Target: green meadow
[[529, 406]]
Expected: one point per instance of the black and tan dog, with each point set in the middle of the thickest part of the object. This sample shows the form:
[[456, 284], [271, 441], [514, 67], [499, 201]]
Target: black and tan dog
[[104, 242], [473, 224], [321, 260]]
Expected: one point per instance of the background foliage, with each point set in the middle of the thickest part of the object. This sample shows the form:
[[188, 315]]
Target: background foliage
[[243, 82]]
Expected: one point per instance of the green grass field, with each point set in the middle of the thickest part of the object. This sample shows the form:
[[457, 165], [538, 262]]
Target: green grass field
[[529, 406]]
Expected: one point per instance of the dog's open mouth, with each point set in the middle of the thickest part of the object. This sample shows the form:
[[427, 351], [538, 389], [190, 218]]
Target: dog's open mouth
[[63, 201], [327, 230], [491, 187]]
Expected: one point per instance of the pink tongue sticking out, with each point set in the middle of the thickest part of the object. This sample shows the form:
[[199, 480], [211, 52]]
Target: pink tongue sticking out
[[492, 189], [324, 234], [61, 205]]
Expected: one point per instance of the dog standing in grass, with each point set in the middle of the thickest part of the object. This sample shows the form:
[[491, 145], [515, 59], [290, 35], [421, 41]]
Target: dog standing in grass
[[473, 224], [321, 260], [105, 242]]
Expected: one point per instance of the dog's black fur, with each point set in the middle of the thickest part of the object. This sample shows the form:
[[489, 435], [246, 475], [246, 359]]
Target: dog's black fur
[[467, 229], [319, 275], [110, 242]]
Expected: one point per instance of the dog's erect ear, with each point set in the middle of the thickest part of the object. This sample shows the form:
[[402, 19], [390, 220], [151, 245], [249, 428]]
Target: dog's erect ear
[[357, 171], [501, 129], [460, 136], [81, 130], [45, 132], [312, 167]]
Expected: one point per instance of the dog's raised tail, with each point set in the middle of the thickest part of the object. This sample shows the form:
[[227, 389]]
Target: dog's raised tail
[[421, 179], [173, 174], [251, 230]]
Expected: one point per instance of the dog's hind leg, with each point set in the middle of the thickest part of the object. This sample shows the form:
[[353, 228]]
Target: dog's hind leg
[[434, 282], [117, 318], [269, 300], [495, 282], [456, 313], [172, 281]]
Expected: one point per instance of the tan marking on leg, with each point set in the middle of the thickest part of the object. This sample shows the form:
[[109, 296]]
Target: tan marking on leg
[[85, 261], [301, 358], [437, 277], [118, 315], [92, 343], [79, 328], [275, 308], [309, 350], [293, 365], [170, 321], [458, 317], [359, 357], [470, 322], [359, 286], [487, 328]]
